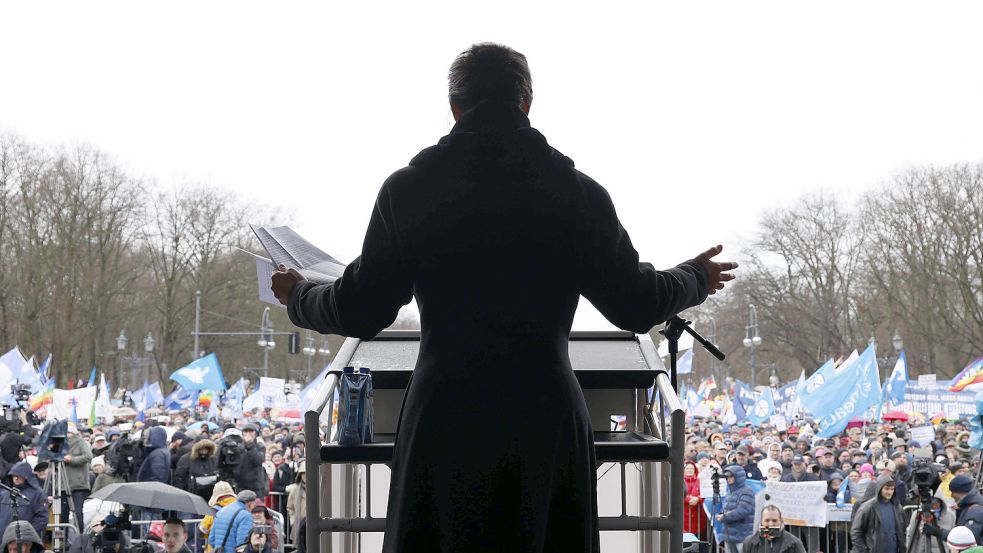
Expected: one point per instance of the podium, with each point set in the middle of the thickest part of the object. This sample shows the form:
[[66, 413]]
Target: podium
[[617, 372]]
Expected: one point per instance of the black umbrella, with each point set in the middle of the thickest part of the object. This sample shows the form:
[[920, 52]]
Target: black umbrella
[[154, 495]]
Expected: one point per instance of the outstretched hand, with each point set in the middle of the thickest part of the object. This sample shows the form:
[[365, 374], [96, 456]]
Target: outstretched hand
[[718, 272], [283, 282]]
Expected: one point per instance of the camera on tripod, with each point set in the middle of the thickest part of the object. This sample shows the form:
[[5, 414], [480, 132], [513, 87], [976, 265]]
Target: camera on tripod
[[21, 392], [111, 539]]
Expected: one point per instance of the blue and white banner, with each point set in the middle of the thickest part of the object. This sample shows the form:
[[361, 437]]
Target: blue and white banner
[[809, 391], [850, 394], [684, 365], [897, 383], [763, 408], [201, 374]]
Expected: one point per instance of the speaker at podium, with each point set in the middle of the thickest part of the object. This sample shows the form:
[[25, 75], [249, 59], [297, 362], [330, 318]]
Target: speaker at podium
[[639, 439]]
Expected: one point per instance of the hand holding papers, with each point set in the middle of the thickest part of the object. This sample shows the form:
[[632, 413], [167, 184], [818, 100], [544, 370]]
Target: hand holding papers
[[299, 259], [283, 281]]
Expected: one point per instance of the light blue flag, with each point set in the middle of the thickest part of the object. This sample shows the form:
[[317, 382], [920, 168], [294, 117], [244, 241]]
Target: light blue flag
[[43, 372], [897, 383], [853, 391], [74, 417], [307, 394], [841, 493], [92, 376], [692, 400], [201, 374], [685, 363], [744, 393], [739, 412], [155, 394], [763, 408], [811, 391], [237, 392], [180, 399], [213, 410], [139, 397]]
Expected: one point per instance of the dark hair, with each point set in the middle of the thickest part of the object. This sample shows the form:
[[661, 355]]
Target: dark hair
[[489, 71], [176, 522], [772, 507]]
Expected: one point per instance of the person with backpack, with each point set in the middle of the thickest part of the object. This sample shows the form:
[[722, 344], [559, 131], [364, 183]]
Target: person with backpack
[[232, 523]]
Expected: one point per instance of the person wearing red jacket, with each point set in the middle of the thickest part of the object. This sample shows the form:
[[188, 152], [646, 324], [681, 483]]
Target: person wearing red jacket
[[694, 517]]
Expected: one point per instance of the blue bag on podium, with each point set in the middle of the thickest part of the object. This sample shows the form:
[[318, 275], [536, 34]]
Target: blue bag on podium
[[355, 421]]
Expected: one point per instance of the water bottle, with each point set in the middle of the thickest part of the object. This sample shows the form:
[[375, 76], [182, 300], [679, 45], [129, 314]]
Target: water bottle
[[355, 407]]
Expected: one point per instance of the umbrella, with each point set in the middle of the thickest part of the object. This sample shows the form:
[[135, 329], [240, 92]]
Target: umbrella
[[199, 424], [895, 416], [155, 495], [855, 423], [124, 413]]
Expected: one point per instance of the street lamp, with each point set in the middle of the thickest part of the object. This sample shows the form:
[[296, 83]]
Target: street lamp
[[310, 351], [131, 362], [751, 338], [266, 340], [888, 361]]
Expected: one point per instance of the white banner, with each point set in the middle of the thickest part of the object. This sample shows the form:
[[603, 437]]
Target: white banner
[[838, 514], [801, 503], [65, 400], [924, 435]]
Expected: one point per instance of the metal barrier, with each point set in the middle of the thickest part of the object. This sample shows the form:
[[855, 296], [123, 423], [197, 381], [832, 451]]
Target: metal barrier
[[61, 539], [278, 502]]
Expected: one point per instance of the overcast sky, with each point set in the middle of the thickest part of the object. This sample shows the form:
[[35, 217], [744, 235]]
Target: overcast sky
[[695, 116]]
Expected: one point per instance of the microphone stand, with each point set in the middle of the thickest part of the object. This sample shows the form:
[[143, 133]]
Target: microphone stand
[[675, 327], [14, 495]]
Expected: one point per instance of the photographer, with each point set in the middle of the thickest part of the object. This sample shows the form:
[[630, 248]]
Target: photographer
[[250, 474], [772, 536], [941, 517], [258, 541], [197, 472], [106, 535], [77, 471], [969, 509]]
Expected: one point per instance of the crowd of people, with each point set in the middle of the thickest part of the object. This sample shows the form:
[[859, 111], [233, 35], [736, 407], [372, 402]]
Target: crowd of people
[[252, 474], [901, 493]]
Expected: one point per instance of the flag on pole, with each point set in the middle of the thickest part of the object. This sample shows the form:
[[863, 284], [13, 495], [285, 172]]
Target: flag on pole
[[763, 409], [45, 397], [850, 394], [43, 370], [970, 378], [203, 373], [897, 383], [92, 377]]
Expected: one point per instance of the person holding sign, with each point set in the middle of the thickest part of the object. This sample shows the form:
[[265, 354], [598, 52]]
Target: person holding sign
[[772, 536]]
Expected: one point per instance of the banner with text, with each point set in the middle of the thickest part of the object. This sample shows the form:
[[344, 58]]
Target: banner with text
[[801, 503]]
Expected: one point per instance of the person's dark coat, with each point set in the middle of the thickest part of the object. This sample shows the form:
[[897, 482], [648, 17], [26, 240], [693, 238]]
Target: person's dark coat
[[497, 236], [282, 477], [806, 476], [181, 451], [752, 471], [738, 508], [787, 543], [250, 474], [969, 513], [200, 465], [77, 469], [156, 466], [866, 532], [34, 509]]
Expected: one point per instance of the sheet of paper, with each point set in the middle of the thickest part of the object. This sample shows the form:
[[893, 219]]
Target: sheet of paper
[[264, 275]]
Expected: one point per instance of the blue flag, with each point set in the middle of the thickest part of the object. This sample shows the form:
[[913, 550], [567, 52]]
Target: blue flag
[[841, 493], [155, 395], [744, 393], [685, 363], [853, 391], [897, 383], [739, 412], [92, 377], [43, 371], [201, 374], [810, 394], [180, 399], [763, 409], [307, 394]]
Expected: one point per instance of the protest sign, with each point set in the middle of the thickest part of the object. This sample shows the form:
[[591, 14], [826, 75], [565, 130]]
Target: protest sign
[[801, 503], [838, 514], [927, 381], [924, 435]]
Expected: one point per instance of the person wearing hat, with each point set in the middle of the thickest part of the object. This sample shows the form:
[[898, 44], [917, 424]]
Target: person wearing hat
[[222, 495], [960, 539], [827, 464], [33, 507], [77, 460], [772, 537], [737, 513], [799, 472], [750, 469], [20, 537], [99, 444], [180, 446], [197, 471], [250, 474], [878, 524], [969, 509], [232, 523], [887, 467]]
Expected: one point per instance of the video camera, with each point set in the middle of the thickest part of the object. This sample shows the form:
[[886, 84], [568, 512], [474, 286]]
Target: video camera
[[111, 539], [123, 458], [51, 444], [22, 396]]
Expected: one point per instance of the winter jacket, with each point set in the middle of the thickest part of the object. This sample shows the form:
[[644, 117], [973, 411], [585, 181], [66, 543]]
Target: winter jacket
[[193, 471], [232, 525], [787, 543], [694, 517], [296, 506], [738, 509], [867, 523], [21, 531], [752, 471], [34, 509], [969, 513], [282, 477], [806, 476], [77, 469], [156, 466], [250, 474], [946, 522], [84, 543]]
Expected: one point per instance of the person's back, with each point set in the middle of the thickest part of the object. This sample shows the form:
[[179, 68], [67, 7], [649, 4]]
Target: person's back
[[497, 236]]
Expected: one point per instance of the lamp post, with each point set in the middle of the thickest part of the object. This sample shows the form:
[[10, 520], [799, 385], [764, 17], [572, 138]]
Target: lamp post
[[133, 363], [751, 338], [266, 340], [888, 361]]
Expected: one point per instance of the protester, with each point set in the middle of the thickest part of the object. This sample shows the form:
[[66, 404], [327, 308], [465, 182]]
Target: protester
[[694, 517], [738, 511], [799, 472], [222, 495], [232, 523], [257, 541], [156, 466], [20, 537], [878, 525], [772, 536], [750, 469], [297, 500], [33, 508], [960, 539], [175, 536], [76, 463]]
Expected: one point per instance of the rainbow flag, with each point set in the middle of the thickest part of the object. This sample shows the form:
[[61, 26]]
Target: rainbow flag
[[46, 396], [205, 398], [970, 378]]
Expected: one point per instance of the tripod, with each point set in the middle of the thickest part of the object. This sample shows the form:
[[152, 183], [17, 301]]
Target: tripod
[[56, 486], [925, 516], [715, 508]]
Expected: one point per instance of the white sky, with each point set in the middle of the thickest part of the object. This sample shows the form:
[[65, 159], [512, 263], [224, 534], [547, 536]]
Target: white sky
[[693, 115]]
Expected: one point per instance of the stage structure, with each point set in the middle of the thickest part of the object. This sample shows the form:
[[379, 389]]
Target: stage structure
[[615, 371]]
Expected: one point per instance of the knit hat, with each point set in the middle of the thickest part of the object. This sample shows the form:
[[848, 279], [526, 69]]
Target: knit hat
[[961, 538], [961, 484], [887, 464], [221, 489], [868, 468]]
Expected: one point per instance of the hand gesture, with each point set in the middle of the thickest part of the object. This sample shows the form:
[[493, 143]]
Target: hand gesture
[[718, 272], [283, 281]]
